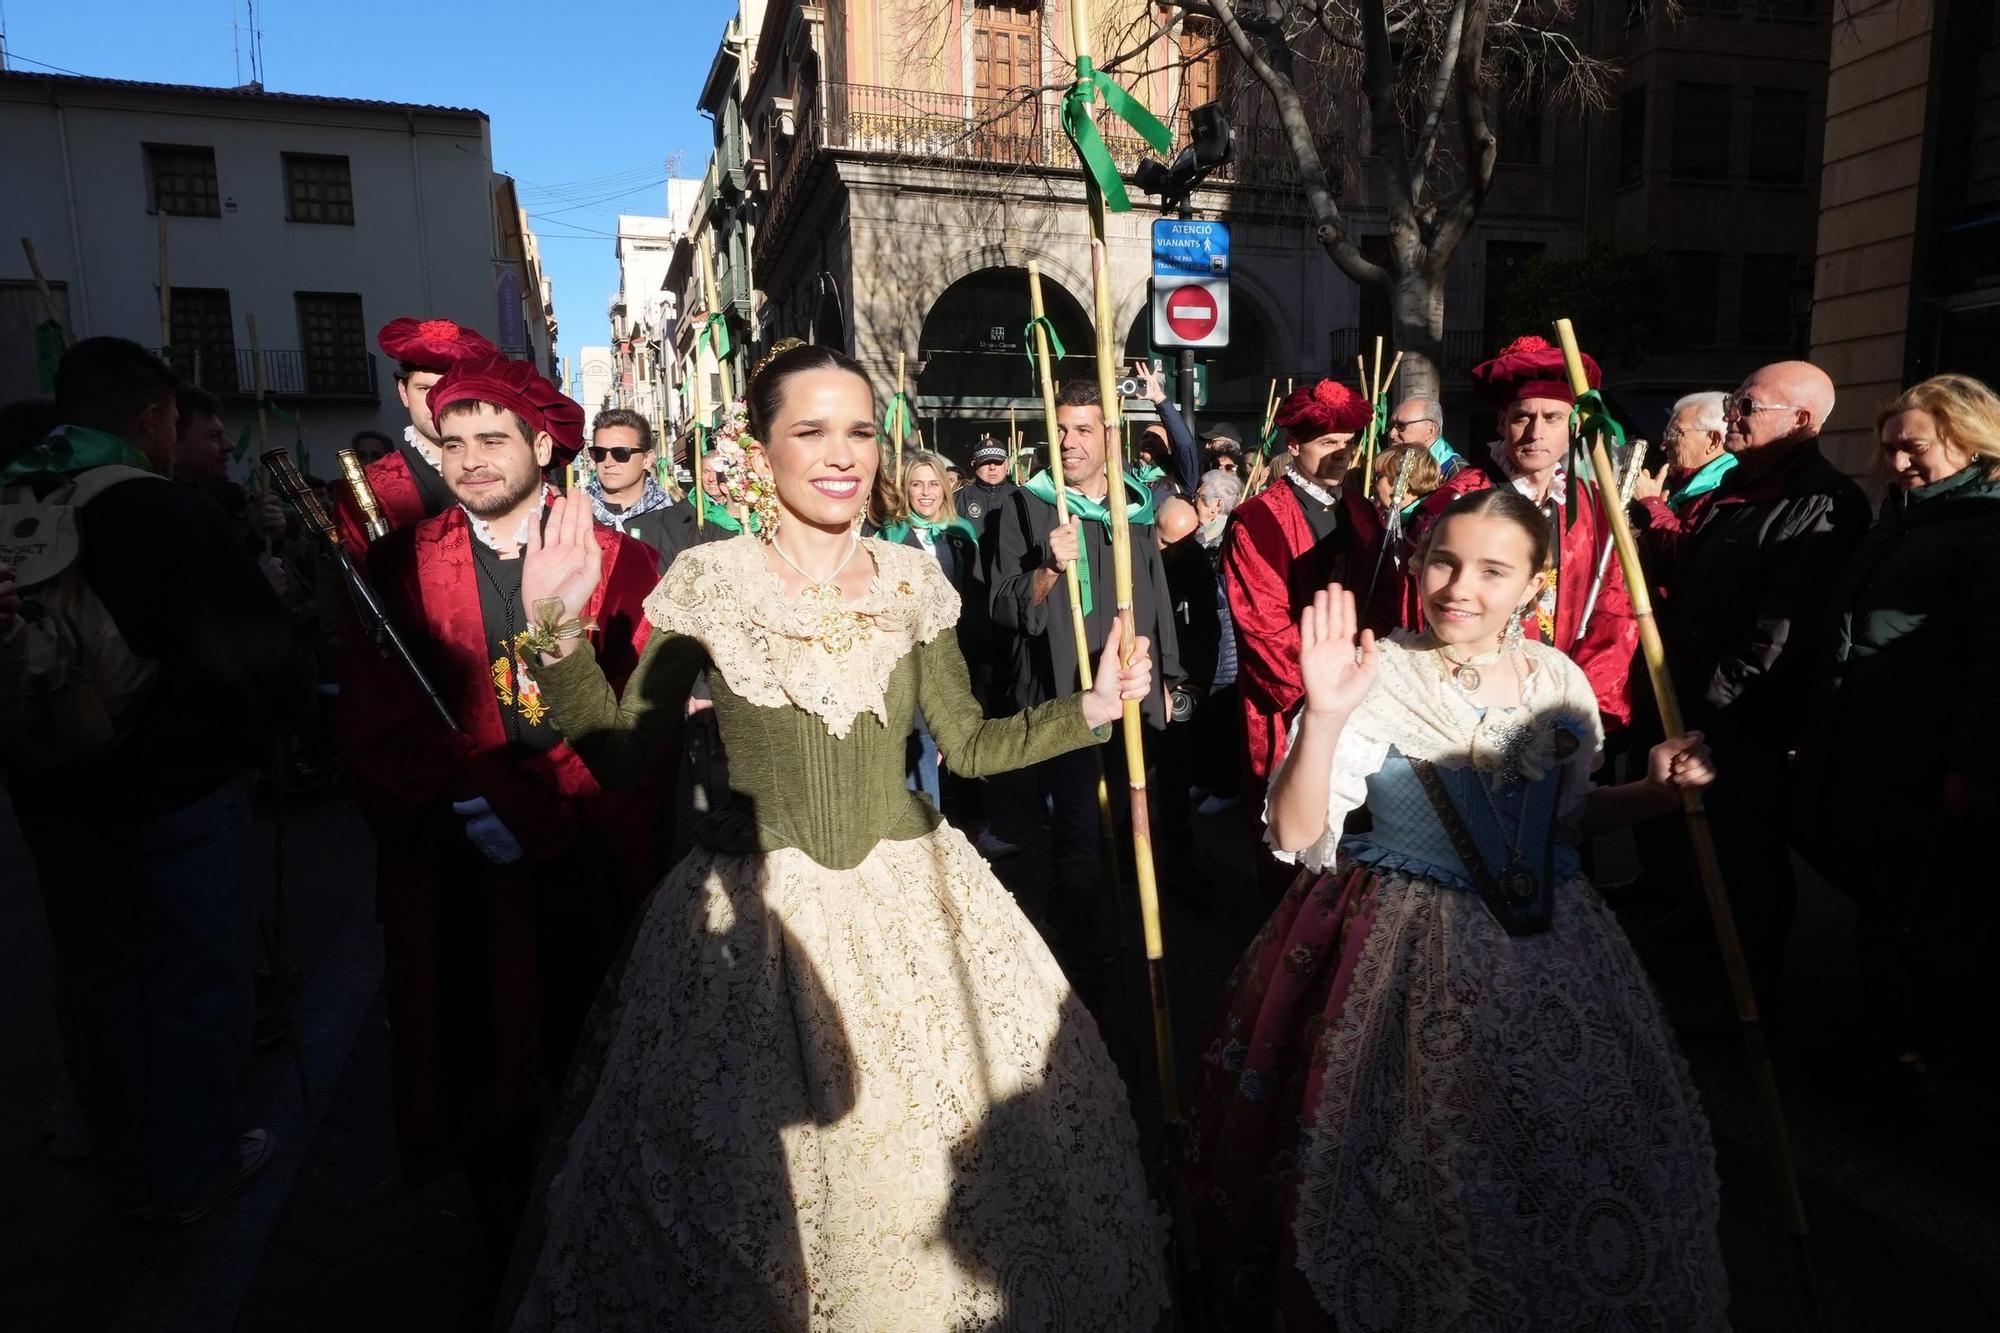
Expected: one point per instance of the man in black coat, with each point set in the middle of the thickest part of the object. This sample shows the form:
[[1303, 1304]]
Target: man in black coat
[[1744, 624], [1031, 616]]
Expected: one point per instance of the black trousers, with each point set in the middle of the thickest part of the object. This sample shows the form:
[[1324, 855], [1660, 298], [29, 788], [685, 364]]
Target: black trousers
[[1079, 916]]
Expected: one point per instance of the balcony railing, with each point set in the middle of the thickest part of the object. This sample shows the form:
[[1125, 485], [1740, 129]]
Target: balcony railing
[[982, 133], [232, 372]]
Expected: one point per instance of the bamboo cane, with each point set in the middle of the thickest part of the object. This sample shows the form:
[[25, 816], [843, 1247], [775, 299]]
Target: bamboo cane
[[1373, 442], [1135, 756], [46, 292], [1728, 942], [899, 424], [695, 451], [1071, 578]]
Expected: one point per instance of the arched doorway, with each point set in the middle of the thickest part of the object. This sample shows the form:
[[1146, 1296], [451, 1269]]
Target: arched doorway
[[973, 350]]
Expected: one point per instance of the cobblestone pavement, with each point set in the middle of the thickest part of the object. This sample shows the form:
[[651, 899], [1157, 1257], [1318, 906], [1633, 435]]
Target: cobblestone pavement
[[329, 1239]]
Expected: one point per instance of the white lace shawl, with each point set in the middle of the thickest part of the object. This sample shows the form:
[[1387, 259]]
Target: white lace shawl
[[776, 651], [1415, 709]]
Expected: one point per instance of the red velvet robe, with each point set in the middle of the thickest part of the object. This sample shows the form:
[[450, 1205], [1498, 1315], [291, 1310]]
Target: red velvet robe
[[395, 492], [1267, 535], [1384, 588], [1606, 650], [406, 769]]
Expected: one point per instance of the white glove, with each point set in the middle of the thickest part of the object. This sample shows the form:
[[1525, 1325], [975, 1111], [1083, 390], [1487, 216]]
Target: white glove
[[493, 839]]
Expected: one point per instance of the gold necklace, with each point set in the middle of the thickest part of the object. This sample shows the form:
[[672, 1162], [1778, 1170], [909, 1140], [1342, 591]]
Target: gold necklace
[[838, 627], [1465, 674]]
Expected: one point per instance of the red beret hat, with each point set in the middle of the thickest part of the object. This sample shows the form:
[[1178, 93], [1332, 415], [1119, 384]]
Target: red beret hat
[[515, 386], [433, 344], [1530, 368], [1326, 408]]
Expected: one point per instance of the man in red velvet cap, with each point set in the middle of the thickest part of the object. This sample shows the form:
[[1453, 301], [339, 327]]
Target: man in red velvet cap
[[407, 481], [506, 875], [1529, 386], [1283, 546]]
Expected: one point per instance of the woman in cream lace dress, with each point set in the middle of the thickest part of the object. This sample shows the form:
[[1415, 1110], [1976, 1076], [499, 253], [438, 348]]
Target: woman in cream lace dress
[[838, 1082]]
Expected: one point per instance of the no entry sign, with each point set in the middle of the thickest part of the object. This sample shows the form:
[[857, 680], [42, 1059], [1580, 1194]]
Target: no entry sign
[[1190, 312]]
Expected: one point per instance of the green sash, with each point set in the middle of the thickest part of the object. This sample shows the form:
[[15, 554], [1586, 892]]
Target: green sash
[[1703, 480], [714, 511], [1139, 510], [71, 449]]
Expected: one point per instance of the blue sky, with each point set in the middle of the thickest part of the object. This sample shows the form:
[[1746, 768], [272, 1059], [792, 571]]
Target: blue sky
[[589, 99]]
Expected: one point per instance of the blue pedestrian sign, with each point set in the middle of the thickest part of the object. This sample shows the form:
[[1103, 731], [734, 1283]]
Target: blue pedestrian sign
[[1190, 249]]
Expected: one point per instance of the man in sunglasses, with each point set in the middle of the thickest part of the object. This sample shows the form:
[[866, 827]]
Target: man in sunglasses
[[625, 495], [1743, 626], [1420, 421]]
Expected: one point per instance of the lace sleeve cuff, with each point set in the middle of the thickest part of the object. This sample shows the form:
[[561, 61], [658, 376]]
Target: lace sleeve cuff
[[1355, 759]]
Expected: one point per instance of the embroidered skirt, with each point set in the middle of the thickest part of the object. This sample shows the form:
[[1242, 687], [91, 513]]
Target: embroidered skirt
[[1409, 1120], [859, 1099]]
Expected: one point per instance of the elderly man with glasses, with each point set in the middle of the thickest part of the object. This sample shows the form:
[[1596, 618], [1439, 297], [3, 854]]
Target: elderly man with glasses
[[1669, 504], [1420, 421], [1750, 587]]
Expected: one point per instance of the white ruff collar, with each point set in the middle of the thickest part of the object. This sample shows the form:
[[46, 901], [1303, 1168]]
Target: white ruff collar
[[1313, 488], [427, 451], [483, 530]]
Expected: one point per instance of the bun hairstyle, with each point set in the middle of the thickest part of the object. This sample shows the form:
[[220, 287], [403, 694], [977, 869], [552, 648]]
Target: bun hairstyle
[[1506, 503], [787, 358]]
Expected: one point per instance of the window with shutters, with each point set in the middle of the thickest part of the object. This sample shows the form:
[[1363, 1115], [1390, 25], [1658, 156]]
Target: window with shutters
[[1764, 313], [332, 343], [1778, 136], [204, 334], [1701, 131], [1632, 136], [1201, 64], [181, 180], [1695, 277], [318, 189], [1006, 50]]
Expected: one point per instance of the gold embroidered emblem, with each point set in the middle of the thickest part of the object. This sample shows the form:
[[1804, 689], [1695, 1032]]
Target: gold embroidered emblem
[[503, 681], [905, 588], [533, 707], [838, 629]]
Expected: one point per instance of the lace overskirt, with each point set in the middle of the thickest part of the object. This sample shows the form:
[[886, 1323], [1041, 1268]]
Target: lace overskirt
[[860, 1099], [1410, 1120]]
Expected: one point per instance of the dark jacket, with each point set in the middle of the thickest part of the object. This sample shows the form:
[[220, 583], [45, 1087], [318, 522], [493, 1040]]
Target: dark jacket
[[979, 504], [1905, 695], [1748, 610], [1038, 645], [172, 570], [671, 530], [1192, 585]]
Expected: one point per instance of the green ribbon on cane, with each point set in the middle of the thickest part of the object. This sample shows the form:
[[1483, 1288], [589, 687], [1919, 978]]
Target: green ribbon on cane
[[899, 408], [1590, 416], [1269, 443], [1081, 127], [715, 332], [1056, 348]]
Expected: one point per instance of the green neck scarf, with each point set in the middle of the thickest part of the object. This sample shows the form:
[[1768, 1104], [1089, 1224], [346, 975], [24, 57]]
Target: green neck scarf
[[1148, 473], [714, 511], [1702, 480], [71, 449], [900, 529], [1138, 510]]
